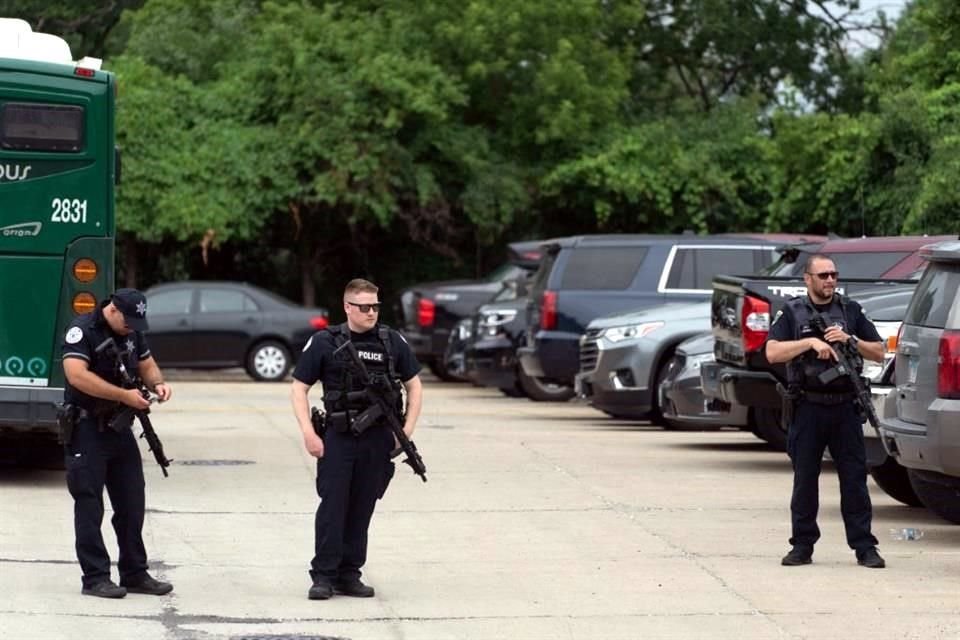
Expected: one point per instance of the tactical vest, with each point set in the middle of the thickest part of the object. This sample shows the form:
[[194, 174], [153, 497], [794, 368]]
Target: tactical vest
[[377, 359], [803, 370]]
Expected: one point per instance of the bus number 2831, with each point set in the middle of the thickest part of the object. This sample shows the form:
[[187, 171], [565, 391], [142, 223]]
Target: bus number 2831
[[67, 210]]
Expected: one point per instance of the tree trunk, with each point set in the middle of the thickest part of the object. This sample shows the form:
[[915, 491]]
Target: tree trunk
[[130, 261]]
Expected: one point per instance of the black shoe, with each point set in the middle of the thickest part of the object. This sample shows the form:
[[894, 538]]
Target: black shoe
[[320, 591], [149, 585], [870, 559], [105, 589], [353, 588], [797, 557]]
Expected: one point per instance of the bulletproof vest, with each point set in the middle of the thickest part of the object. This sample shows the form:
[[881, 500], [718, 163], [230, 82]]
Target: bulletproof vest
[[96, 330], [376, 357], [803, 370]]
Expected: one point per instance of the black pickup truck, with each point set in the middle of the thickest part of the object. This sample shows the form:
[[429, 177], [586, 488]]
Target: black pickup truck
[[742, 308], [427, 312]]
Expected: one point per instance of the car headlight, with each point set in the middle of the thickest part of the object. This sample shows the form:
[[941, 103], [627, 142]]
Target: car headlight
[[491, 321], [616, 334]]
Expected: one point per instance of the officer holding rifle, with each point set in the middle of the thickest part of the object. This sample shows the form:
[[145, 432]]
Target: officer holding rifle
[[826, 410], [361, 365], [101, 450]]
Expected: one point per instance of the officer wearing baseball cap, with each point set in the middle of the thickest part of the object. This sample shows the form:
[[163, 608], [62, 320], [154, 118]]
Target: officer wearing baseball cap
[[98, 456]]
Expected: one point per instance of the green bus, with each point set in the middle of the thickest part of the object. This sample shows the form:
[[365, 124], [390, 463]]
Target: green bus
[[58, 168]]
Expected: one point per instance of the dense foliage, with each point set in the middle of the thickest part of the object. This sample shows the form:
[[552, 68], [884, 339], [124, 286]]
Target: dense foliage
[[297, 143]]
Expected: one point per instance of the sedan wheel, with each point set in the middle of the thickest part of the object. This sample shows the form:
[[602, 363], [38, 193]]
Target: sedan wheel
[[268, 361]]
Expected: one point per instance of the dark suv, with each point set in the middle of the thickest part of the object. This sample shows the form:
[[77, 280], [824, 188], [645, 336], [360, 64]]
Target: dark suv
[[584, 277], [922, 430]]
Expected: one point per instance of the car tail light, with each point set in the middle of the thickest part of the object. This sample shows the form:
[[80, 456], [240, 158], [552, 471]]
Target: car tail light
[[319, 322], [426, 312], [948, 370], [548, 310], [755, 323]]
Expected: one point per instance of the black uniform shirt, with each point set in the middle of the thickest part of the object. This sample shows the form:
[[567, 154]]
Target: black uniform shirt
[[318, 363], [83, 337]]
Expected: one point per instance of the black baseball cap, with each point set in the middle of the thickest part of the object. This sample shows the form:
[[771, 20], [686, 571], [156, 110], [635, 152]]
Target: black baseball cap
[[133, 305]]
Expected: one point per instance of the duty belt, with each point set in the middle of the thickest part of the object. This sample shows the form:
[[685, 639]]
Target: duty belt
[[828, 398]]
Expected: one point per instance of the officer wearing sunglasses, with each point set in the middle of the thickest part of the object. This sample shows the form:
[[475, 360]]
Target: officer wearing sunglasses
[[353, 469], [824, 414]]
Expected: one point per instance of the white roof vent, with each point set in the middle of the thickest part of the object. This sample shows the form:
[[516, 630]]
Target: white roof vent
[[18, 41]]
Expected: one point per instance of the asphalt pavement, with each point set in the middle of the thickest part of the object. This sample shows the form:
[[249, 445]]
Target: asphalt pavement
[[539, 521]]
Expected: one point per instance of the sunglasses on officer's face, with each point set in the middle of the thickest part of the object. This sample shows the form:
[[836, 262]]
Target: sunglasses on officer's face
[[365, 308], [826, 275]]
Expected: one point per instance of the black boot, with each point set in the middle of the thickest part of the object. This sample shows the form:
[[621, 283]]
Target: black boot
[[104, 589], [148, 585], [870, 559], [321, 590], [797, 557], [353, 588]]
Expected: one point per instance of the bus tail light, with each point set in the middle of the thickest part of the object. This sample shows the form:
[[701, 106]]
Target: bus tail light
[[755, 323], [84, 303], [85, 270]]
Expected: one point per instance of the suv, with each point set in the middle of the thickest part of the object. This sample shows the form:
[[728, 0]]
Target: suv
[[586, 277], [922, 428], [427, 313]]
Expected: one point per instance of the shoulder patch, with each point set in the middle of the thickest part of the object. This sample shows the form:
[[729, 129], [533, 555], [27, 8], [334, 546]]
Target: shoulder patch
[[777, 316], [401, 337], [307, 346], [74, 335]]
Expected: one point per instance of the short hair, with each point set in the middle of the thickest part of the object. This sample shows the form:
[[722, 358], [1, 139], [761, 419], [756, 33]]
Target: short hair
[[359, 285], [814, 258]]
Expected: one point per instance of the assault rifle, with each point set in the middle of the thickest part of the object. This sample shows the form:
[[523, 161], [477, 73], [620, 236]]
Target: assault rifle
[[383, 399], [124, 418], [849, 363]]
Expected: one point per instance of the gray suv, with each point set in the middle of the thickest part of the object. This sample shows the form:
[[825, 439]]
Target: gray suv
[[923, 428]]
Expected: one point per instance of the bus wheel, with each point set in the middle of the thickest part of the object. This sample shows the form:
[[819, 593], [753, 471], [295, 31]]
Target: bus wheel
[[268, 361]]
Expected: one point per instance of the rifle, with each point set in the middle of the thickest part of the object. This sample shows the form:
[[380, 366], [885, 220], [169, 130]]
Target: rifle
[[848, 364], [382, 397], [126, 415]]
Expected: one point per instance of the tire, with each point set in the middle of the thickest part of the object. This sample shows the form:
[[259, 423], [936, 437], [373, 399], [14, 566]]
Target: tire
[[656, 411], [513, 392], [892, 477], [939, 493], [769, 427], [443, 373], [540, 391], [269, 361]]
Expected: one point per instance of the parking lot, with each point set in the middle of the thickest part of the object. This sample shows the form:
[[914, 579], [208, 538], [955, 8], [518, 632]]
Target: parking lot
[[538, 521]]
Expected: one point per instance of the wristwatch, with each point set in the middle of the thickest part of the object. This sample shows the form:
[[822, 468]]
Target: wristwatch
[[853, 341]]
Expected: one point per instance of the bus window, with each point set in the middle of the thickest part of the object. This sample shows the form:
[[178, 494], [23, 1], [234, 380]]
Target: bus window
[[41, 127]]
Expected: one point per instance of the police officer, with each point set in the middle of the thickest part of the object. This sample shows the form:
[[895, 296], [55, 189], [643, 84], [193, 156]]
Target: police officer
[[352, 470], [97, 455], [825, 415]]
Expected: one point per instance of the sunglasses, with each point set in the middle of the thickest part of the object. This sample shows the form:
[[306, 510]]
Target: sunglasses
[[826, 275], [366, 308]]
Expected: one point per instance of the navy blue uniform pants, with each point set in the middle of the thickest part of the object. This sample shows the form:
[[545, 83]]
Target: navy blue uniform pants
[[96, 459], [351, 476], [817, 427]]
